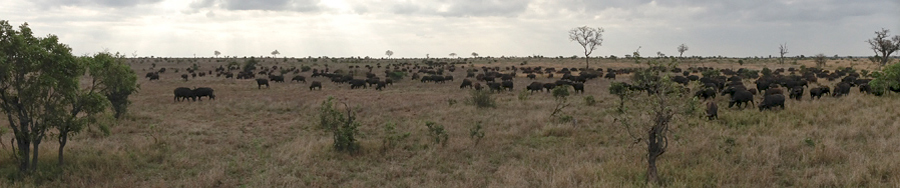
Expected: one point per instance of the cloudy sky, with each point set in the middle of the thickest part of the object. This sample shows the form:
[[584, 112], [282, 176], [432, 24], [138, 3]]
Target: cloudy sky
[[340, 28]]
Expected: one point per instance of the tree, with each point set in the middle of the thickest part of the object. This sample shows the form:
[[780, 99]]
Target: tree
[[782, 49], [660, 54], [664, 99], [820, 60], [275, 53], [452, 54], [681, 49], [589, 38], [886, 79], [389, 53], [884, 47], [217, 53], [37, 76], [474, 54]]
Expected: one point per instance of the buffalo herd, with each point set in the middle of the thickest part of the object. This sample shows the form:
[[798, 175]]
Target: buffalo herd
[[773, 86]]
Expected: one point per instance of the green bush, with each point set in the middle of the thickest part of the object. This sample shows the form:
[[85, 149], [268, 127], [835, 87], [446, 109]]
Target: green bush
[[396, 75], [889, 77], [589, 100], [343, 129], [305, 68], [437, 133], [477, 132], [392, 137], [482, 99]]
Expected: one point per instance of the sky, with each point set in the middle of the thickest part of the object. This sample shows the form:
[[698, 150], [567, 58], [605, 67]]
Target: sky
[[436, 28]]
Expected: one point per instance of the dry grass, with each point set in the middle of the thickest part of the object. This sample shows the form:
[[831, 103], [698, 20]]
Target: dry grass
[[270, 138]]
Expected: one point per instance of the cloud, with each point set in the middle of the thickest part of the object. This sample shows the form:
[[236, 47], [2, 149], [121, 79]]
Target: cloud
[[100, 3], [266, 5]]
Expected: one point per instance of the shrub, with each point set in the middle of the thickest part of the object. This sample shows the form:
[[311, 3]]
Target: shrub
[[523, 95], [482, 99], [305, 68], [820, 60], [589, 100], [397, 75], [343, 129], [392, 137], [451, 101], [437, 133], [477, 132], [889, 77], [711, 73]]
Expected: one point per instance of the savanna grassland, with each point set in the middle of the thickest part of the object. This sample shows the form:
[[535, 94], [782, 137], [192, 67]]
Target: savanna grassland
[[270, 137]]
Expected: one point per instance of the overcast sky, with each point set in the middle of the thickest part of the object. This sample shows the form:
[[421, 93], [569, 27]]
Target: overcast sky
[[340, 28]]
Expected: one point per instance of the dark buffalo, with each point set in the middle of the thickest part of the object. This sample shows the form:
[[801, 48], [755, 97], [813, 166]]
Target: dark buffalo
[[773, 91], [477, 85], [578, 87], [841, 89], [771, 101], [549, 86], [705, 93], [495, 86], [535, 86], [532, 76], [315, 84], [260, 82], [276, 78], [201, 92], [739, 96], [796, 93], [712, 110], [184, 93], [379, 85], [357, 83], [299, 78], [610, 75], [816, 93], [184, 76], [507, 85], [466, 83]]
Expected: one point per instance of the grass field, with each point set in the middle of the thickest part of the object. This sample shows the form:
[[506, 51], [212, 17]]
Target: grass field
[[251, 137]]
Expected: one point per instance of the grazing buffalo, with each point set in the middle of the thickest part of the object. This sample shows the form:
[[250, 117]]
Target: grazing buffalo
[[201, 92], [535, 86], [773, 91], [299, 78], [260, 82], [276, 78], [532, 76], [152, 76], [712, 110], [477, 85], [578, 87], [549, 86], [466, 83], [705, 93], [772, 101], [184, 93], [739, 96], [610, 75], [841, 89], [357, 83], [507, 85], [796, 93], [816, 93], [495, 86], [184, 76], [315, 84], [379, 85]]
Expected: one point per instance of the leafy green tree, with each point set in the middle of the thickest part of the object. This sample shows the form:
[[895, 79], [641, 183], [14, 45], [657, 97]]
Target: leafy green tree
[[37, 77], [888, 78], [114, 79], [250, 65]]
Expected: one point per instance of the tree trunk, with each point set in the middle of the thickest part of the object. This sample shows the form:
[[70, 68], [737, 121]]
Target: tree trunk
[[586, 58], [63, 138], [24, 150], [34, 159], [653, 151]]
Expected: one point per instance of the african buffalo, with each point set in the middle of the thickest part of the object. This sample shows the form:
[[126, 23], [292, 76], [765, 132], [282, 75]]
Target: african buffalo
[[184, 93], [357, 83], [771, 101], [712, 110], [201, 92], [315, 84], [299, 78], [816, 93], [535, 86], [260, 82], [466, 83]]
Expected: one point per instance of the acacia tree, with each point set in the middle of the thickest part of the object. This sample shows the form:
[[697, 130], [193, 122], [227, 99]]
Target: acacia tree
[[389, 53], [37, 76], [474, 54], [275, 53], [883, 46], [217, 53], [452, 55], [681, 49], [589, 38], [782, 49]]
